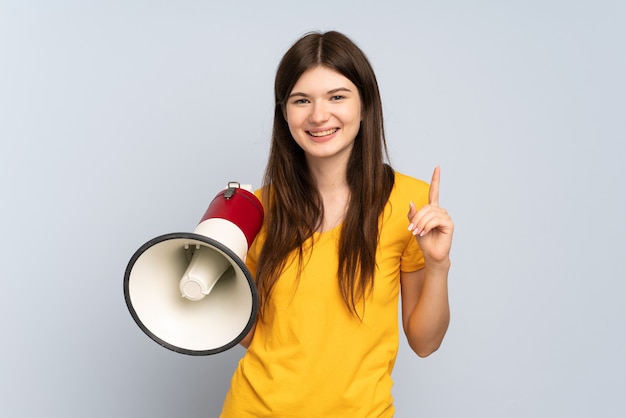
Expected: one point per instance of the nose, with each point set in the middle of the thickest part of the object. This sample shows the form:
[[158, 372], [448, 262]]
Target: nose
[[319, 113]]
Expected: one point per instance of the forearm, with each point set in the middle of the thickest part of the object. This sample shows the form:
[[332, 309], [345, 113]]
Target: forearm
[[245, 342], [428, 322]]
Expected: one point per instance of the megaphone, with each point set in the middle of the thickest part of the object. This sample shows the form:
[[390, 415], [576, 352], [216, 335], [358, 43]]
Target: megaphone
[[192, 292]]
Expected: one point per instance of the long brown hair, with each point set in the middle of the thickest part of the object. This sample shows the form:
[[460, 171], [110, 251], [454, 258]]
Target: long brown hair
[[294, 208]]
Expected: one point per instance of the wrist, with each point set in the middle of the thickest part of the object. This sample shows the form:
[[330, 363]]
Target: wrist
[[438, 265]]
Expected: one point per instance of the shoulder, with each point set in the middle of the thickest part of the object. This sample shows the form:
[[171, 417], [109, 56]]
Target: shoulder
[[407, 188], [261, 194]]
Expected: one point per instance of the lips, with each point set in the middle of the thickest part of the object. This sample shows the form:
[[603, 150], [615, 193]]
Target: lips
[[319, 134]]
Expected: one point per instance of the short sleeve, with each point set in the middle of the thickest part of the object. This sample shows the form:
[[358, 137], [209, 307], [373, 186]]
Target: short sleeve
[[411, 189], [412, 258], [252, 256]]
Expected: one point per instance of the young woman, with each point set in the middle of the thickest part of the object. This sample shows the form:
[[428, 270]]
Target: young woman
[[336, 248]]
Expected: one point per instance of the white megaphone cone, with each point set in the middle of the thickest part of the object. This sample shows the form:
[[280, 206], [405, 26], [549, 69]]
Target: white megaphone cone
[[192, 292]]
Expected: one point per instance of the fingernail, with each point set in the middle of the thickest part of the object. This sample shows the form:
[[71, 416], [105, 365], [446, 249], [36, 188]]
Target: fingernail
[[411, 226]]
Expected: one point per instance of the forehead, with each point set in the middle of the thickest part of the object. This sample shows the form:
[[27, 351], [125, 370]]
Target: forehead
[[322, 79]]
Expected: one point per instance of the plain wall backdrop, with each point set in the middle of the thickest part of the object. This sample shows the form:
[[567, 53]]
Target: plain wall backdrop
[[121, 120]]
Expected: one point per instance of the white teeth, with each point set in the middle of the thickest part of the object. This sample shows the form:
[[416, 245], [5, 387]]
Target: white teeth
[[323, 133]]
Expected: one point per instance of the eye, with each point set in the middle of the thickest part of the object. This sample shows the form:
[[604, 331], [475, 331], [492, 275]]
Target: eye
[[337, 97], [300, 101]]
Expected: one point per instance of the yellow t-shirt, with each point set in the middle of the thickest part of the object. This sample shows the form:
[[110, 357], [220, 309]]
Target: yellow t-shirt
[[311, 357]]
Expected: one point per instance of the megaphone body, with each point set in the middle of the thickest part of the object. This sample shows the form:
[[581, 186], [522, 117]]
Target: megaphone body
[[192, 292]]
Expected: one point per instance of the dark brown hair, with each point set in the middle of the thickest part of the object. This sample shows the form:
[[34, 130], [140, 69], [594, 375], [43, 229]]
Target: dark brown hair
[[294, 208]]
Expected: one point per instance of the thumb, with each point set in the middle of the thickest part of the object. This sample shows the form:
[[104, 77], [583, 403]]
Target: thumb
[[412, 210]]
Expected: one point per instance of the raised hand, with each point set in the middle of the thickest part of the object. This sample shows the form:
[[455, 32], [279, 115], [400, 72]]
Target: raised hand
[[431, 225]]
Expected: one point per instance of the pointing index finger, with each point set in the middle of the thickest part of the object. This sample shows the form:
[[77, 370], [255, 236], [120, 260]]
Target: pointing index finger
[[433, 191]]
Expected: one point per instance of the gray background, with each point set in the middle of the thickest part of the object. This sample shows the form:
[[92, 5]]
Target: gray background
[[120, 120]]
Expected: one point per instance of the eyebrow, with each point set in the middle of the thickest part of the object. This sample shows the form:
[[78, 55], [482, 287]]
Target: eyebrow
[[333, 91]]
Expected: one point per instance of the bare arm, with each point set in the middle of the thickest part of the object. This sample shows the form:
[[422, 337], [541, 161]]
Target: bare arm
[[245, 342], [425, 306]]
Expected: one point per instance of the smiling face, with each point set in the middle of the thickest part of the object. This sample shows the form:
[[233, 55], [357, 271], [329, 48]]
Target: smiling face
[[323, 112]]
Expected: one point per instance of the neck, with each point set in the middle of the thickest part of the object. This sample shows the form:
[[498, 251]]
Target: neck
[[331, 183], [329, 174]]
